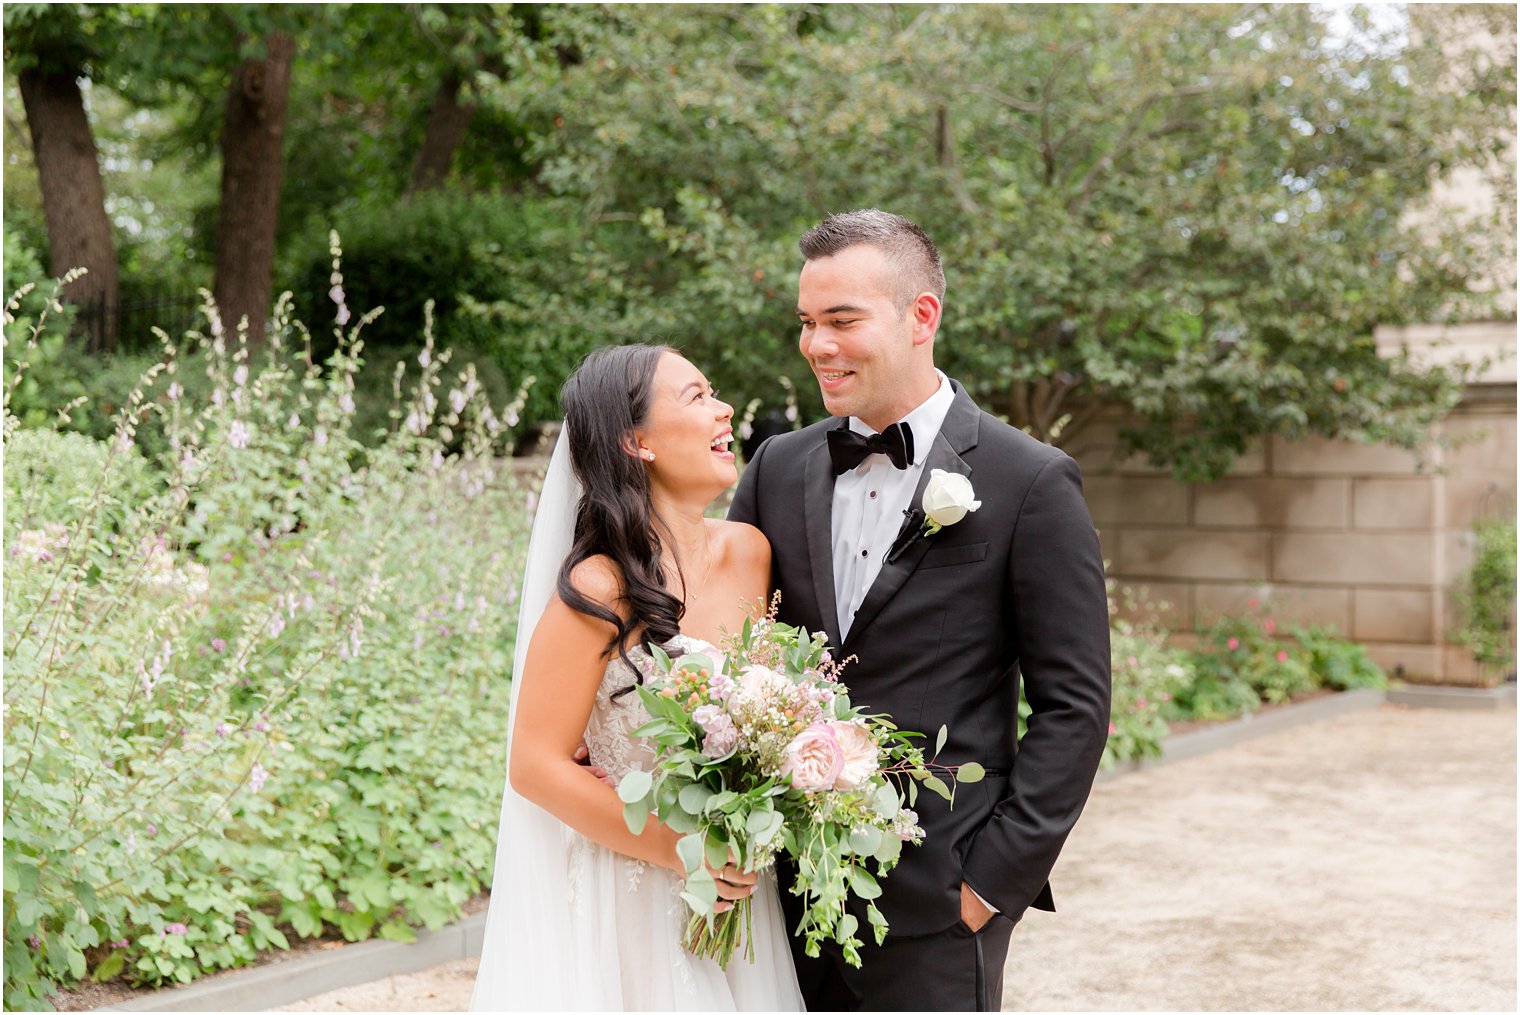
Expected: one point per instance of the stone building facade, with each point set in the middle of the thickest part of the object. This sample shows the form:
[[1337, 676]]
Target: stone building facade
[[1367, 538]]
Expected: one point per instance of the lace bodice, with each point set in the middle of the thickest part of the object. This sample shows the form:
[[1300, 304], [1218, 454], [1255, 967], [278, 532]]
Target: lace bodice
[[611, 721]]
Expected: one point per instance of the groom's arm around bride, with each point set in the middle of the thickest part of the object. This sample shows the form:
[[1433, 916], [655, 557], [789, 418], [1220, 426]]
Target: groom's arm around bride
[[944, 625]]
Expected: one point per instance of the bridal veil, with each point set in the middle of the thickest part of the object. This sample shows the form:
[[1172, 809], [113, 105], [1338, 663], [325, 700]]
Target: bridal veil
[[535, 955]]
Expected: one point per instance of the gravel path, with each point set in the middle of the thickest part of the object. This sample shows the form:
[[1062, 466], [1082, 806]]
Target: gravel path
[[1363, 863]]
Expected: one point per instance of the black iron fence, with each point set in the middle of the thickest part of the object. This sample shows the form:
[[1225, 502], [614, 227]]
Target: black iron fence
[[131, 321]]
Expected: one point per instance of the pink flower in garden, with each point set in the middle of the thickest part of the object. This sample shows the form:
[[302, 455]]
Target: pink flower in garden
[[1253, 602], [1282, 655], [227, 557], [257, 776], [177, 929], [218, 644], [222, 730], [859, 753], [1232, 644], [1112, 729], [813, 759], [1141, 702], [116, 945], [152, 828], [1269, 625], [34, 940], [1164, 697]]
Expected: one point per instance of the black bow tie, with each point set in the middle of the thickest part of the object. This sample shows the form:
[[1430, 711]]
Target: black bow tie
[[847, 449]]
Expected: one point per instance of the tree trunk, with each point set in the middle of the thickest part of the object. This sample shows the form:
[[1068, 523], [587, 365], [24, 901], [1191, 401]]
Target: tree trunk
[[445, 130], [253, 167], [73, 197]]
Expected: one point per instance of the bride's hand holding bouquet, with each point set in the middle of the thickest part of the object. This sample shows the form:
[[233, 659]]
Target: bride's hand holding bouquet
[[762, 753]]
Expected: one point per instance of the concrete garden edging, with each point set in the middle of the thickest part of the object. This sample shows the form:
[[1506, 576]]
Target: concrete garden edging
[[277, 983], [1490, 699]]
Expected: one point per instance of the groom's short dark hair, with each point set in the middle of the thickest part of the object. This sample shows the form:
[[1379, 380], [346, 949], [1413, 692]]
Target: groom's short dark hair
[[909, 250]]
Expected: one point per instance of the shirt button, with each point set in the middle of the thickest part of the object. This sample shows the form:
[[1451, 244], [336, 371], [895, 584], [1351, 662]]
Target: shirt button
[[873, 494], [865, 553]]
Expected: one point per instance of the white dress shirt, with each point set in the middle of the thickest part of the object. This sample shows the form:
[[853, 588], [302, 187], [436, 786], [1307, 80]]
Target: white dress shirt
[[869, 501]]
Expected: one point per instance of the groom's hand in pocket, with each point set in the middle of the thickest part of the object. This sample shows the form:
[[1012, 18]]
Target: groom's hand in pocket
[[973, 913]]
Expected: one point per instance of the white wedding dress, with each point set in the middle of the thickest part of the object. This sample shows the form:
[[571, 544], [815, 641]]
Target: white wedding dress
[[576, 926]]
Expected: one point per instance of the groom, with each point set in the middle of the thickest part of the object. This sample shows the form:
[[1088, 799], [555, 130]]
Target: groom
[[943, 625]]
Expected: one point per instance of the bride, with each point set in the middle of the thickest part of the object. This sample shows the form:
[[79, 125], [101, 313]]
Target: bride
[[584, 914]]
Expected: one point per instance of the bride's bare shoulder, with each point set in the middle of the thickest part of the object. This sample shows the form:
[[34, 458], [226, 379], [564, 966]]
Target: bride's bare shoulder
[[599, 579], [744, 544]]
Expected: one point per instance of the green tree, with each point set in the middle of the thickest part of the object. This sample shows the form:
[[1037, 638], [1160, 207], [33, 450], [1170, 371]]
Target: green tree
[[1196, 213], [50, 46]]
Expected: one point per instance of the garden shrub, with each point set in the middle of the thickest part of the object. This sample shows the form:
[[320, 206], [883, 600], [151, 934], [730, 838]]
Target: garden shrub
[[1486, 597], [259, 683], [501, 270]]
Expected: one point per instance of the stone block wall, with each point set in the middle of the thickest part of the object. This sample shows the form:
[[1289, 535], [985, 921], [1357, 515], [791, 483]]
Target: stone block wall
[[1369, 539]]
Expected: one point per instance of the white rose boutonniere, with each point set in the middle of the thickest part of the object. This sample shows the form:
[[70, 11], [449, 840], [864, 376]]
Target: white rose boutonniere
[[948, 498]]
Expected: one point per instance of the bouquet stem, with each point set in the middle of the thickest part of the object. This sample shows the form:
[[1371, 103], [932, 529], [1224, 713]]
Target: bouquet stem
[[719, 939]]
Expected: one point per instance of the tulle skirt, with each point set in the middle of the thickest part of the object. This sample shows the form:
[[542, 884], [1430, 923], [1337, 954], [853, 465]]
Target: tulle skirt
[[623, 951]]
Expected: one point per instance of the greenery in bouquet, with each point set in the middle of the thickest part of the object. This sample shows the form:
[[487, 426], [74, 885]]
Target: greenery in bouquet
[[763, 754]]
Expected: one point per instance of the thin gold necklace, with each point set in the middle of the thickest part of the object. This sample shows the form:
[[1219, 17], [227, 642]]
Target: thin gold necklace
[[687, 593]]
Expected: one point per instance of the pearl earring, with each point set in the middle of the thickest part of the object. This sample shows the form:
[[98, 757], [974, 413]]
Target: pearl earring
[[648, 455]]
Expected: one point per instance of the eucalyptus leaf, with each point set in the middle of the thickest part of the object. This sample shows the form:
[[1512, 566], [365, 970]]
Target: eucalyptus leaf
[[717, 852], [689, 849], [693, 798], [865, 840], [635, 786], [863, 884], [970, 772]]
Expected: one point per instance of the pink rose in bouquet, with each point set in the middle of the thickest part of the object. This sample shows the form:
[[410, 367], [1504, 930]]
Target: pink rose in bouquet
[[814, 758], [858, 748]]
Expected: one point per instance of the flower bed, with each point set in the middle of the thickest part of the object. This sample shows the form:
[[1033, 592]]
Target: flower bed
[[256, 684]]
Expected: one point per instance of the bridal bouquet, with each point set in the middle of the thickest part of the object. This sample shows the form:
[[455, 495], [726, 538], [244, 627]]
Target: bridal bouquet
[[761, 753]]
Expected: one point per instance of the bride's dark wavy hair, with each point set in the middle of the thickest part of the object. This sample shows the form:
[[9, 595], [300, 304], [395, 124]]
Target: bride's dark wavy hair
[[605, 400]]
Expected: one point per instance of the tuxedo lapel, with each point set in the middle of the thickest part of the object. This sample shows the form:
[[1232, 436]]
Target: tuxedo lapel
[[818, 521], [957, 434]]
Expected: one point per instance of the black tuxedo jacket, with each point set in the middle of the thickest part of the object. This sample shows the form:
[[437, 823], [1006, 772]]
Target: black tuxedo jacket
[[942, 638]]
